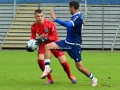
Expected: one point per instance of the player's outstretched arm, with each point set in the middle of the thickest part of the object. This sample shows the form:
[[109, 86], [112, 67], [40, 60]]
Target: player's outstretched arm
[[61, 22], [53, 14]]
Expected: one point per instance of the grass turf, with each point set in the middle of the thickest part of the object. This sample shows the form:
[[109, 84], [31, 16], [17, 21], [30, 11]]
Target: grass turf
[[19, 71]]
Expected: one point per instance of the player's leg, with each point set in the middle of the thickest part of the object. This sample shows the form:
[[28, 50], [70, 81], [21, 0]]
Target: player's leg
[[41, 63], [48, 53], [85, 71], [76, 55], [62, 59]]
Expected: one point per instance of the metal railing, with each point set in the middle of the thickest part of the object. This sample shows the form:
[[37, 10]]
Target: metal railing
[[85, 14], [85, 5]]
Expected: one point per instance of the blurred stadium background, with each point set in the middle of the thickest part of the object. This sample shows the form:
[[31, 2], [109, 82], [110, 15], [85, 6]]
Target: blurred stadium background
[[102, 17]]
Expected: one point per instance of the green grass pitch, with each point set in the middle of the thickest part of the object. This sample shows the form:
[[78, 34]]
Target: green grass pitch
[[19, 71]]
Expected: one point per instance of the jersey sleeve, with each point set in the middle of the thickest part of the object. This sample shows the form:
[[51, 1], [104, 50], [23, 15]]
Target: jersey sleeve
[[52, 33], [33, 33], [64, 23], [77, 20]]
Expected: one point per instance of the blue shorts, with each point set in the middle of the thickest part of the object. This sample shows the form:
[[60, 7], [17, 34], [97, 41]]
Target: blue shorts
[[74, 51]]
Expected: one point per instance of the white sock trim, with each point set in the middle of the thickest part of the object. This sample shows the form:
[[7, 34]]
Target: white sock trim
[[91, 76], [47, 60]]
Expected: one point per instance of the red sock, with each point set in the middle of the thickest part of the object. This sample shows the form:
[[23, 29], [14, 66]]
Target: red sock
[[41, 64], [42, 67], [66, 68]]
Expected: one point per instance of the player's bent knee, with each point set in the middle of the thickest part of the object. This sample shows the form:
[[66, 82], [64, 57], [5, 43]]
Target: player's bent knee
[[52, 45], [80, 68], [47, 46]]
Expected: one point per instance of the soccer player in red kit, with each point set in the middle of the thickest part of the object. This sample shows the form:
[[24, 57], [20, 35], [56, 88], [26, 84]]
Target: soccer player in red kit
[[46, 30]]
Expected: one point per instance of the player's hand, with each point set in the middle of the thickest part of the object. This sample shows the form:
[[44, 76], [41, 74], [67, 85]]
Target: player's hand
[[29, 49], [53, 14], [83, 23], [41, 40], [44, 39]]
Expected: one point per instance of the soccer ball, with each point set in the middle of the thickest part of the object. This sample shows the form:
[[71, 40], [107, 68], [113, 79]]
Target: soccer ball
[[32, 44]]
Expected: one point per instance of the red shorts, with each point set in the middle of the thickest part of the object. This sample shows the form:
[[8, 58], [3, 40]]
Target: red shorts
[[56, 53]]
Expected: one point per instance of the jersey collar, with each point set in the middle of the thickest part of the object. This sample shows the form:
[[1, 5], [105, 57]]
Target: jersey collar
[[76, 13]]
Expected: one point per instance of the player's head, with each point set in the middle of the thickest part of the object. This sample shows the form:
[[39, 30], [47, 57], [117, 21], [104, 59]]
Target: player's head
[[74, 6], [39, 16]]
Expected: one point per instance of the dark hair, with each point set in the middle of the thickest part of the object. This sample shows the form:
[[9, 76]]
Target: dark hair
[[74, 4], [38, 11]]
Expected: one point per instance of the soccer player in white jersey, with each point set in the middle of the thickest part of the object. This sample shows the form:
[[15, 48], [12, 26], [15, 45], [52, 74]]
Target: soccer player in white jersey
[[72, 43]]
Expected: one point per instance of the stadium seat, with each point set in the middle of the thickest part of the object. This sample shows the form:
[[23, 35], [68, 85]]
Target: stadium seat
[[6, 17], [19, 32], [91, 34]]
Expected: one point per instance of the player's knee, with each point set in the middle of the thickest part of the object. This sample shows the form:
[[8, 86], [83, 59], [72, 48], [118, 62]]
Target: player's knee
[[46, 47], [80, 68]]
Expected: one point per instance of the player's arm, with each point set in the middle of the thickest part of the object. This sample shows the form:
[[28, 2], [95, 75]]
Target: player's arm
[[71, 23], [61, 22], [83, 23], [64, 23], [33, 33]]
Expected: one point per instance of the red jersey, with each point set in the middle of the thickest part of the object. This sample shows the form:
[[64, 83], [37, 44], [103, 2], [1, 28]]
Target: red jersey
[[47, 29]]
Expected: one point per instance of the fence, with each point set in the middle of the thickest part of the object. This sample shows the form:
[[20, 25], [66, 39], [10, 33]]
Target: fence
[[87, 8], [59, 1]]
